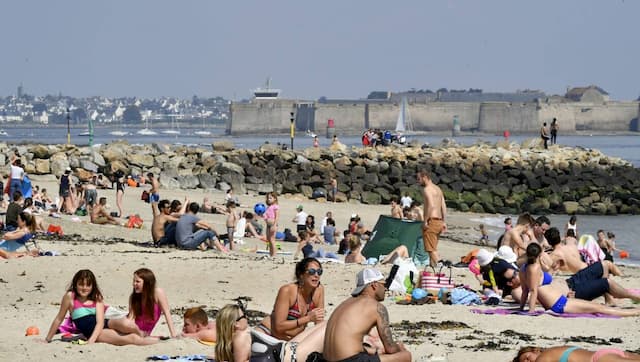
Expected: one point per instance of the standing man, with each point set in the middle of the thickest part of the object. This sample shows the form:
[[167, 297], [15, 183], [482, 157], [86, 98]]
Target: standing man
[[544, 134], [300, 219], [355, 318], [435, 212], [554, 131], [154, 193]]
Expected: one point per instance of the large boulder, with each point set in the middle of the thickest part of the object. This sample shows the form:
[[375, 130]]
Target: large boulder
[[371, 198], [222, 146], [570, 207], [188, 182], [42, 166], [207, 180]]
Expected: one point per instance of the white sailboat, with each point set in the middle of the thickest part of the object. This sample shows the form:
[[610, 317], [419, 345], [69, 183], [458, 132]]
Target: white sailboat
[[404, 125], [203, 132], [3, 133], [146, 131], [174, 129]]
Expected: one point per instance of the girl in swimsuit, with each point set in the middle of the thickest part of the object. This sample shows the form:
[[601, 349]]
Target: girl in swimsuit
[[120, 182], [553, 295], [83, 300], [573, 354], [237, 342], [297, 303], [271, 218], [147, 302]]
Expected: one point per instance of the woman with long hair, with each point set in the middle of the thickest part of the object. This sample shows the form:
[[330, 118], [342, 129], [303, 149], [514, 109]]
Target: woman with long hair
[[238, 343], [538, 286], [147, 302], [297, 303], [13, 240]]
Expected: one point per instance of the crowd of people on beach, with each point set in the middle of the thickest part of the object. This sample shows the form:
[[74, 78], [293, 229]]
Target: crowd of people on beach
[[524, 270]]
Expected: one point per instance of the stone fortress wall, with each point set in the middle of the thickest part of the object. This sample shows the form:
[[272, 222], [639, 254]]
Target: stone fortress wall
[[352, 117]]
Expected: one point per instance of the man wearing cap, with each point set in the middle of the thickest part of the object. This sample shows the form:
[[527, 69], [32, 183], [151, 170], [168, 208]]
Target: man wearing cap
[[499, 272], [356, 317], [300, 219], [435, 211]]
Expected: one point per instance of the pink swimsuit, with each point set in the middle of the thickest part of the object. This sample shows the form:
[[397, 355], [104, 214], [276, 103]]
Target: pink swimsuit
[[605, 351], [145, 324]]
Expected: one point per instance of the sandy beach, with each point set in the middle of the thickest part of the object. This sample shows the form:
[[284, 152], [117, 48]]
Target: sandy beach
[[31, 288]]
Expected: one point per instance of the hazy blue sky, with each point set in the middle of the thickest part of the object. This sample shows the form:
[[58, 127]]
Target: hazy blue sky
[[338, 49]]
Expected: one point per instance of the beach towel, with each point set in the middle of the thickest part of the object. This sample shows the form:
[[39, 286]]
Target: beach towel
[[590, 250], [517, 311], [278, 253], [192, 357], [238, 233]]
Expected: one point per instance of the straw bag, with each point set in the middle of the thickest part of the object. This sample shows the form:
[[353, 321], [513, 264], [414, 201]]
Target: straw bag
[[429, 280]]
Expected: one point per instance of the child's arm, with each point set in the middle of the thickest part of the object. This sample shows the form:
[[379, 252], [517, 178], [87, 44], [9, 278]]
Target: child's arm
[[164, 306], [65, 305], [99, 323]]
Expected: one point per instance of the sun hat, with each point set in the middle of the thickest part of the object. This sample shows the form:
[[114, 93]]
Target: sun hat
[[506, 253], [484, 257], [299, 207], [364, 278]]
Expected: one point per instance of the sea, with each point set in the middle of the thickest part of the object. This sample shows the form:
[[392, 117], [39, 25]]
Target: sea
[[627, 147]]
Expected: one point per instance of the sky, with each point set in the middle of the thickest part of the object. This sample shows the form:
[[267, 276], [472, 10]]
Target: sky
[[310, 49]]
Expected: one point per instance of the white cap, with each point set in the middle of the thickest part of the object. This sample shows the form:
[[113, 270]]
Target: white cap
[[506, 253], [68, 169], [484, 257], [364, 278]]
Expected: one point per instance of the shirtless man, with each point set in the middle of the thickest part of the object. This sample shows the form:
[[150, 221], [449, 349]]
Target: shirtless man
[[435, 212], [588, 281], [354, 319], [536, 232], [99, 214], [232, 221], [154, 193], [161, 218], [513, 237], [396, 209]]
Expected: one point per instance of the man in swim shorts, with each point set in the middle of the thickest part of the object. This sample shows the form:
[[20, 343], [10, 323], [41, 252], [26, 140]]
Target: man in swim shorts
[[435, 211], [356, 317]]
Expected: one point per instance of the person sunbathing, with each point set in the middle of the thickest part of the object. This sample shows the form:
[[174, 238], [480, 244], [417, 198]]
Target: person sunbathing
[[566, 353], [298, 303], [14, 240], [197, 325], [355, 252], [538, 286], [4, 254], [237, 342], [100, 216]]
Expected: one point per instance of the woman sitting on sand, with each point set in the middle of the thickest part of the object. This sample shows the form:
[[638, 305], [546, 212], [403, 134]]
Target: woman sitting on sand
[[13, 240], [571, 354], [552, 292], [310, 228], [355, 251], [84, 303], [147, 302], [236, 342], [297, 303]]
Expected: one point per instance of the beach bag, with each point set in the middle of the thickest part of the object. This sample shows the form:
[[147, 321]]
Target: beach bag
[[144, 196], [55, 229], [437, 280], [134, 222], [403, 281]]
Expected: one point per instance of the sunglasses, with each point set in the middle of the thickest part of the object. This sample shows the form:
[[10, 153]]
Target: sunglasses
[[515, 274], [244, 316], [312, 271]]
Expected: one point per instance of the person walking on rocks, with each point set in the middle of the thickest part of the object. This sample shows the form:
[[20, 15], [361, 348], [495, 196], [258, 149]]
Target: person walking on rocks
[[554, 131], [435, 212], [544, 134]]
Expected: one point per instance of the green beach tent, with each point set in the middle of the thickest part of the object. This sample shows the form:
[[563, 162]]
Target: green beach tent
[[389, 233]]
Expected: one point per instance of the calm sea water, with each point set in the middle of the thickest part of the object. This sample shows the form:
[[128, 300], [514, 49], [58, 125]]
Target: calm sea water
[[626, 227]]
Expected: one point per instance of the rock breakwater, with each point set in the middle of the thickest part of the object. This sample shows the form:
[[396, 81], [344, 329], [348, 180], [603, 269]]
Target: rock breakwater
[[503, 178]]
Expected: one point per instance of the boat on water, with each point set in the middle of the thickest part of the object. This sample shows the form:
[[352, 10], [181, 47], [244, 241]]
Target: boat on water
[[404, 125], [147, 132], [119, 133], [3, 133], [171, 132], [85, 133], [202, 133]]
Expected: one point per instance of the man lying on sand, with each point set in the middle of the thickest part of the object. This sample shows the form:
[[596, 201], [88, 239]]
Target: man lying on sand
[[197, 325]]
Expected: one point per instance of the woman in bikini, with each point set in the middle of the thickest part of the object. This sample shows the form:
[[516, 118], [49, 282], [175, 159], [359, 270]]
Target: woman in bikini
[[238, 343], [297, 303], [147, 302], [552, 293], [571, 354]]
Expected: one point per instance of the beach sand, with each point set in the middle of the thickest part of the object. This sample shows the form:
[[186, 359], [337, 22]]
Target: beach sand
[[31, 288]]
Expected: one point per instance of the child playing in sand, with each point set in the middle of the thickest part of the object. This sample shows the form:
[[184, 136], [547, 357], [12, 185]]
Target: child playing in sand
[[197, 325], [271, 217], [484, 235], [147, 302], [84, 302], [232, 220]]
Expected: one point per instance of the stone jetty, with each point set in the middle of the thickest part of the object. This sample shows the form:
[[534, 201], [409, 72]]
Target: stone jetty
[[502, 178]]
